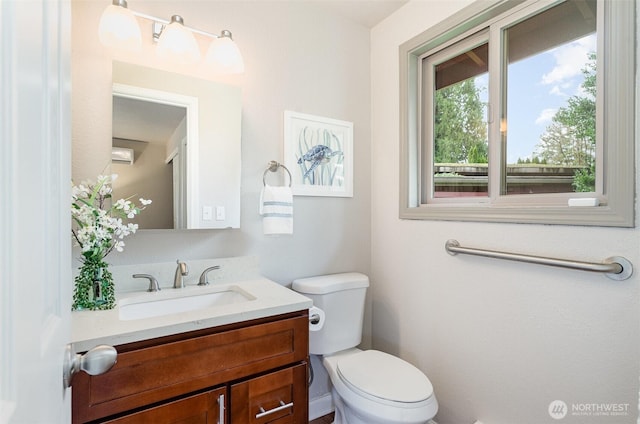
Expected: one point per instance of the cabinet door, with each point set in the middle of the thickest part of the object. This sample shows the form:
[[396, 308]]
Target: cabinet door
[[203, 408], [279, 397]]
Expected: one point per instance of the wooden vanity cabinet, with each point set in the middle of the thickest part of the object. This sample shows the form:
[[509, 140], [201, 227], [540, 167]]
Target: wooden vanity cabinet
[[271, 398], [202, 408], [256, 370]]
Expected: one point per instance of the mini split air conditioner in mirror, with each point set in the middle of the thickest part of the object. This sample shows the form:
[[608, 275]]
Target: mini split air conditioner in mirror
[[122, 155]]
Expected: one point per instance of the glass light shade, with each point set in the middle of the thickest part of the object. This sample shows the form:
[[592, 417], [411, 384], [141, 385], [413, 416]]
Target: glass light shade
[[224, 57], [119, 29], [178, 44]]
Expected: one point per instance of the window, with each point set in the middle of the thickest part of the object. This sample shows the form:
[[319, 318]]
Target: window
[[513, 111]]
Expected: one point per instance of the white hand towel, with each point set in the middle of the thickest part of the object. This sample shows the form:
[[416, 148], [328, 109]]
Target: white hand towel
[[276, 208]]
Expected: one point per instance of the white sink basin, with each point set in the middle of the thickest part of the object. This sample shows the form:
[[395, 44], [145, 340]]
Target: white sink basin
[[159, 304]]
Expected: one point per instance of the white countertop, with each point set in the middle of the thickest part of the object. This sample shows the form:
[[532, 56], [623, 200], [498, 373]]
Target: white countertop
[[92, 328]]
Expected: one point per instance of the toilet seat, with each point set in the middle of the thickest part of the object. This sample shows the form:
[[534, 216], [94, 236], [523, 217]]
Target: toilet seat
[[369, 373], [363, 408]]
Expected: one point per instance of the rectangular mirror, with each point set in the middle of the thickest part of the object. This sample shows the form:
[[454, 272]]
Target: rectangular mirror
[[185, 134]]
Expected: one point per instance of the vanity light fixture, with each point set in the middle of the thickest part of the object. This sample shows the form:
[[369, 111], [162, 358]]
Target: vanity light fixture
[[176, 42], [119, 29], [224, 56]]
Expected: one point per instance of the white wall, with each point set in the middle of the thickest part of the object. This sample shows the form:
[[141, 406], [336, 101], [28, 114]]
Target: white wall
[[499, 340], [148, 174], [296, 58]]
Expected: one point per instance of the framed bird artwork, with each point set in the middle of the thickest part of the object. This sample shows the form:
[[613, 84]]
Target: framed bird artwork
[[319, 153]]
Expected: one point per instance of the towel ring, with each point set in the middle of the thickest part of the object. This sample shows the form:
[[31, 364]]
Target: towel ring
[[273, 167]]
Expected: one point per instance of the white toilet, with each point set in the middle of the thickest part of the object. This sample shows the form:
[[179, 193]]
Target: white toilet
[[369, 387]]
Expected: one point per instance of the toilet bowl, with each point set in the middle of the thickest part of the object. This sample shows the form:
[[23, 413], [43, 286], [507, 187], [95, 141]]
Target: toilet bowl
[[369, 386]]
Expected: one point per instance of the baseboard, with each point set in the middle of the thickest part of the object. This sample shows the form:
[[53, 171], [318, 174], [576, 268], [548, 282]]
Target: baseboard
[[320, 406]]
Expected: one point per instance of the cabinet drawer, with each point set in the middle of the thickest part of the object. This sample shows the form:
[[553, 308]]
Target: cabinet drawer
[[203, 408], [279, 397], [167, 370]]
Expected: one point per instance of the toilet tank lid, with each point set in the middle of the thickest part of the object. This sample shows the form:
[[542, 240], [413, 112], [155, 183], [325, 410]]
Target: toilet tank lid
[[330, 283]]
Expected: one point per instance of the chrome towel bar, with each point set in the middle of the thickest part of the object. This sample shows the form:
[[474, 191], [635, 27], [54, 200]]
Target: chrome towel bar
[[616, 267]]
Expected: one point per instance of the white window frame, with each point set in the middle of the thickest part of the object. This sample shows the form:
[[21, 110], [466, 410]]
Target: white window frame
[[616, 89]]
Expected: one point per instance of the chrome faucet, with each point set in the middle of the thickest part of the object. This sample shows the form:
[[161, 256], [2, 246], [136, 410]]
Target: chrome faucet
[[204, 280], [181, 271], [153, 283]]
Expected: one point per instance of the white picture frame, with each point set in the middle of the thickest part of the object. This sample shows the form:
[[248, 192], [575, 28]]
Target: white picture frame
[[319, 153]]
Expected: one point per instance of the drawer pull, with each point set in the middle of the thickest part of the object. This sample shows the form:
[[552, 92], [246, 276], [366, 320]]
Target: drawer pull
[[282, 406], [221, 409]]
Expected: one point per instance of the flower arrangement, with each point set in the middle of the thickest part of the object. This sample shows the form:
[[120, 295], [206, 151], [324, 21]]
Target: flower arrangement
[[99, 229]]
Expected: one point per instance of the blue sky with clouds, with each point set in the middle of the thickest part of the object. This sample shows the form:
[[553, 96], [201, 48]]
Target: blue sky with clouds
[[541, 84]]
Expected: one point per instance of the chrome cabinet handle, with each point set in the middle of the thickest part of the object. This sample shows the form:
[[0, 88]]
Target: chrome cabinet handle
[[221, 409], [98, 360], [282, 406]]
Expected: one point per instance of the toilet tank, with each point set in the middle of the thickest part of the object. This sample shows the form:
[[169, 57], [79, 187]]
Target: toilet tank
[[341, 297]]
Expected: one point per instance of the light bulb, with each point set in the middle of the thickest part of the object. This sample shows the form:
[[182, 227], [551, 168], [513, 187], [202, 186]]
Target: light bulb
[[118, 27], [223, 56], [177, 43]]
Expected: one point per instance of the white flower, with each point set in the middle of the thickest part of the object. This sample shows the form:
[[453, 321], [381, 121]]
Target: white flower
[[98, 231]]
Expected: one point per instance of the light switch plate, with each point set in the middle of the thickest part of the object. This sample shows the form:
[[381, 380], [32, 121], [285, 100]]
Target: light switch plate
[[220, 213], [207, 213]]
